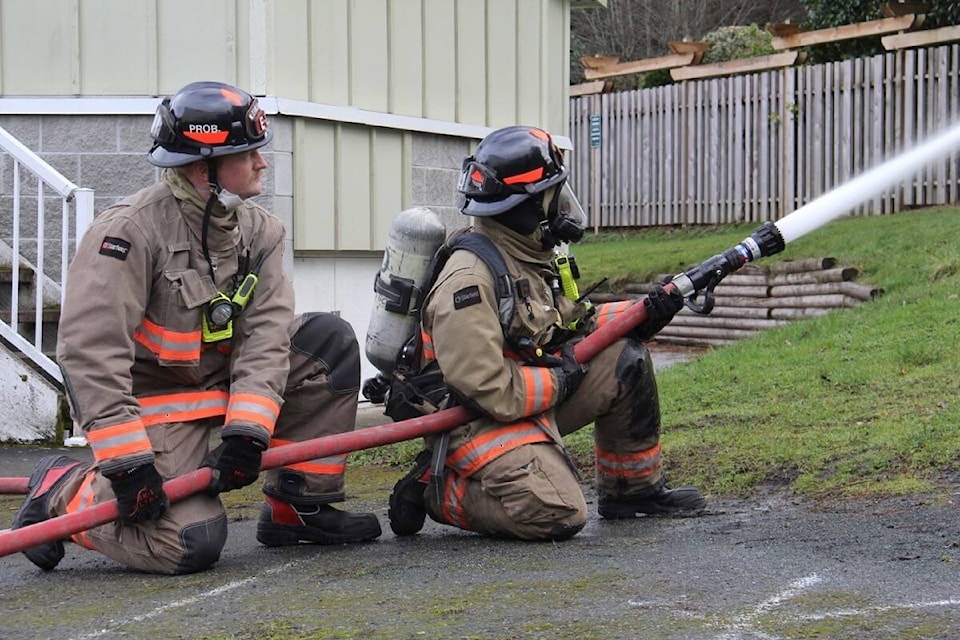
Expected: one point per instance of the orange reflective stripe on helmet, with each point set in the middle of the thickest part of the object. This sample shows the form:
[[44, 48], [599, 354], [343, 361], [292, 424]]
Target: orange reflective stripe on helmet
[[117, 440], [166, 344], [523, 178], [490, 445], [540, 133], [330, 465], [251, 407], [637, 465], [182, 407], [207, 137], [232, 96]]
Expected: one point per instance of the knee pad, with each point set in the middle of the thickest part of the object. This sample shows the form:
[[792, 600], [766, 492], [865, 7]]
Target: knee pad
[[330, 340], [635, 372], [202, 543]]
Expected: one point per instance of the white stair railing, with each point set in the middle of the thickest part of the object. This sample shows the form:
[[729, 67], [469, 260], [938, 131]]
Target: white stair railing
[[74, 200]]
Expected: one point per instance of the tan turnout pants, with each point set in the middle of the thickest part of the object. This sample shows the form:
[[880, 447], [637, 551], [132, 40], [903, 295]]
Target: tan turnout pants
[[320, 399], [532, 492]]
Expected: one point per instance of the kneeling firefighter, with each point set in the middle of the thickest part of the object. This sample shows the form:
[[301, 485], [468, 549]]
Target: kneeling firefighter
[[503, 343]]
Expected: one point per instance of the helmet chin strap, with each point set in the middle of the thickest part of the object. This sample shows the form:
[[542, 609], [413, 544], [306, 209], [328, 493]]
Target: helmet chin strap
[[229, 200]]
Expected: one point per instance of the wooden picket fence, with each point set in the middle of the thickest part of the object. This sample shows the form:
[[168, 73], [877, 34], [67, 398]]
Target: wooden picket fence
[[757, 298], [756, 147]]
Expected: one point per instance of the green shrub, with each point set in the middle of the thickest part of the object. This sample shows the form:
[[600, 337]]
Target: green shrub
[[733, 43]]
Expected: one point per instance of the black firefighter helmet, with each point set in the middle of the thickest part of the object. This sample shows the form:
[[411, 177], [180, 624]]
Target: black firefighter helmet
[[206, 120], [510, 166]]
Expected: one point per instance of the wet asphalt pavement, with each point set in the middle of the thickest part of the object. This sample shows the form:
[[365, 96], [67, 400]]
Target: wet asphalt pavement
[[769, 568]]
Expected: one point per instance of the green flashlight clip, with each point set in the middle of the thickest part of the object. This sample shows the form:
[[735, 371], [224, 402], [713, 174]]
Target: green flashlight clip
[[216, 323], [567, 269]]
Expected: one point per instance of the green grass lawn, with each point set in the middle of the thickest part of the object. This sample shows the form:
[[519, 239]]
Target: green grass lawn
[[861, 401], [856, 402]]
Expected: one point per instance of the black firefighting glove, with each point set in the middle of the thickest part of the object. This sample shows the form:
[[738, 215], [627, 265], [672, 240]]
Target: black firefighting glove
[[661, 307], [570, 373], [235, 463], [139, 492]]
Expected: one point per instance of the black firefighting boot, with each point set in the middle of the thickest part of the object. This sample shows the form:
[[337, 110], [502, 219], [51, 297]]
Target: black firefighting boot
[[657, 500], [407, 508], [282, 523], [49, 474]]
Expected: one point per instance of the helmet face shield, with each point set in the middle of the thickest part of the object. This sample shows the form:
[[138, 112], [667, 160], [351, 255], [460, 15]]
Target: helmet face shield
[[569, 206], [566, 219]]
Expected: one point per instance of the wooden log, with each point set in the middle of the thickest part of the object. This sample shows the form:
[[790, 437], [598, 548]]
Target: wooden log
[[705, 332], [820, 275], [796, 266], [724, 291], [601, 298], [739, 279], [790, 313], [829, 301], [693, 342], [723, 311], [721, 290], [748, 324], [860, 291], [813, 289]]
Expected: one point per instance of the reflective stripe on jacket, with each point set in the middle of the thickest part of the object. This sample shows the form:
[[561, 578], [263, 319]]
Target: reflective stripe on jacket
[[130, 343], [462, 330]]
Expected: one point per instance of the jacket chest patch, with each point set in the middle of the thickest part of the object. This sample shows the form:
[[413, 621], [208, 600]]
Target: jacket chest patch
[[466, 297], [115, 248]]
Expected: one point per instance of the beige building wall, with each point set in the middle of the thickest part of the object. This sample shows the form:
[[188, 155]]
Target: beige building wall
[[456, 67], [375, 103]]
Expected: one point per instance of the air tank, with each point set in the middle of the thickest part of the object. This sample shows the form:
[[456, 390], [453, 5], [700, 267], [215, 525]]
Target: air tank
[[414, 237]]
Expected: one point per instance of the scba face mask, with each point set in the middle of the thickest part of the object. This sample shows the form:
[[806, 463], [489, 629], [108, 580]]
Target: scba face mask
[[566, 220]]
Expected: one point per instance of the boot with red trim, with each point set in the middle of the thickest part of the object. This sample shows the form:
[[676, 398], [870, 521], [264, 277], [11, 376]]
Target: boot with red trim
[[282, 523], [49, 474]]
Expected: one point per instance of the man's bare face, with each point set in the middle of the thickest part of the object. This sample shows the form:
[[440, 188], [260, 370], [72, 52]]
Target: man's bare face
[[240, 173]]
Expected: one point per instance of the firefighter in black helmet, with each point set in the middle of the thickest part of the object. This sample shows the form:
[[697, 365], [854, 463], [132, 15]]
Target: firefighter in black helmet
[[178, 323], [506, 473]]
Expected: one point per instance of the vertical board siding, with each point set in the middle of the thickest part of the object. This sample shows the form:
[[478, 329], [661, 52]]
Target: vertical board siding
[[487, 62], [755, 147]]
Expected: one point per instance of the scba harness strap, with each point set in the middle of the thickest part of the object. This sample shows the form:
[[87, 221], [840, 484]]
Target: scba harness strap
[[415, 392]]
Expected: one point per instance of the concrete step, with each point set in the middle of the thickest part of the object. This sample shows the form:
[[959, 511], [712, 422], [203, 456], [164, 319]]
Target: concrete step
[[26, 275]]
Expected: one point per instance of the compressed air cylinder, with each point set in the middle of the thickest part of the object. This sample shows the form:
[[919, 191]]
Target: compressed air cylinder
[[414, 237]]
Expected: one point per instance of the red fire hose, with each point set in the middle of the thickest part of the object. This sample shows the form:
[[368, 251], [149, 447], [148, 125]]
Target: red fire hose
[[62, 527], [768, 239]]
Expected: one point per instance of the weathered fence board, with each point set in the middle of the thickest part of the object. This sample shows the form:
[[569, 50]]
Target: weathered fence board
[[754, 147]]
